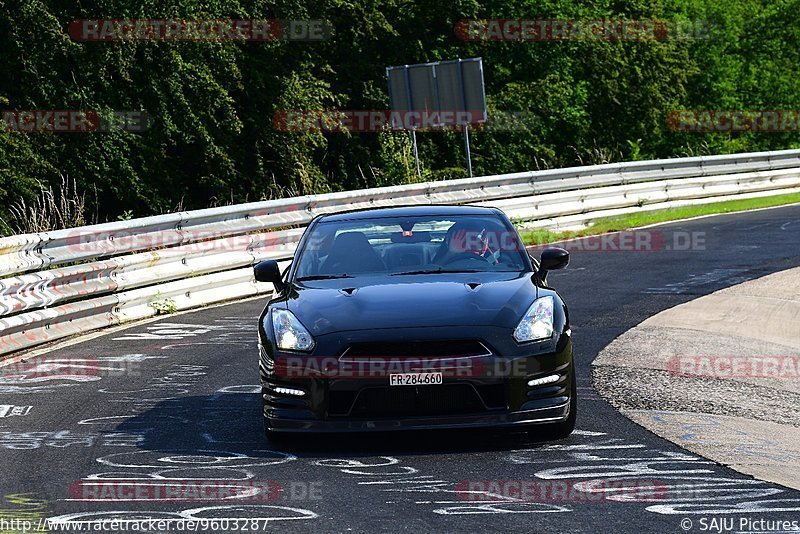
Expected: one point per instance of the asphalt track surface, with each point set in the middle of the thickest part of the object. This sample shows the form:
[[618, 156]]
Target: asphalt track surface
[[173, 404]]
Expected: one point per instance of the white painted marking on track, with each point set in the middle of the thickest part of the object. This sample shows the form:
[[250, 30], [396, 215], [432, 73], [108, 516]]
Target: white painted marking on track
[[503, 508], [390, 482], [9, 410], [694, 280], [223, 459], [761, 225], [245, 388], [743, 508]]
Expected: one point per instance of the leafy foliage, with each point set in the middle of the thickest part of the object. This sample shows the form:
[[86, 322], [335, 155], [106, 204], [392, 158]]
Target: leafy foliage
[[212, 104]]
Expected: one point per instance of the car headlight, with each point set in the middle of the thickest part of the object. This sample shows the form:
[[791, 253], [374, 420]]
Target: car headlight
[[290, 334], [537, 324]]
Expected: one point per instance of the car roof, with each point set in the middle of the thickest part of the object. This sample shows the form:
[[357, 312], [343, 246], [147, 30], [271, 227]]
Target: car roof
[[409, 211]]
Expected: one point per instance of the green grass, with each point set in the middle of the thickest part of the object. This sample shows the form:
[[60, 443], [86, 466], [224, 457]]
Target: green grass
[[636, 220]]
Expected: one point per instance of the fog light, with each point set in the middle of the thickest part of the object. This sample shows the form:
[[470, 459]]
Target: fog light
[[544, 380], [290, 391]]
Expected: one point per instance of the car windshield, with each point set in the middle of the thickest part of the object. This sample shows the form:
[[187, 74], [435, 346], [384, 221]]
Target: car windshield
[[409, 246]]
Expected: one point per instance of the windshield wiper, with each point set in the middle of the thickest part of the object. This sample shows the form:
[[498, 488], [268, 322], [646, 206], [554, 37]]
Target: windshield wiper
[[323, 277], [438, 271]]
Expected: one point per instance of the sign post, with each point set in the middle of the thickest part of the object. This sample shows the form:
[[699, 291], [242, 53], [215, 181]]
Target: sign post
[[466, 149], [436, 95]]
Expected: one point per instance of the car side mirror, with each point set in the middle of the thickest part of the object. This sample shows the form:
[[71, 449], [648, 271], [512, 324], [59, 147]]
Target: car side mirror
[[554, 258], [268, 271]]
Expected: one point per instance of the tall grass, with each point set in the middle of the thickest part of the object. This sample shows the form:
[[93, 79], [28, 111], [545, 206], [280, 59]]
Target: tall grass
[[52, 209]]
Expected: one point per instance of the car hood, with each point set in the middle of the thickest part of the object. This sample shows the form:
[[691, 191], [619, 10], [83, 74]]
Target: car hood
[[484, 299]]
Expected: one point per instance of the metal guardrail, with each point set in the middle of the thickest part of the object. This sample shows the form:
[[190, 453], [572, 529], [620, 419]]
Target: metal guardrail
[[114, 272]]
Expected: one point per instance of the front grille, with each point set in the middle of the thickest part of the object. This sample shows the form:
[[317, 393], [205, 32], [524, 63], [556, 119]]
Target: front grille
[[493, 395], [461, 348], [340, 402], [417, 401]]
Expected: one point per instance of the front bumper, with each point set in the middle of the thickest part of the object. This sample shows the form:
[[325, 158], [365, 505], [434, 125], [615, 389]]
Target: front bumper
[[490, 399], [559, 411]]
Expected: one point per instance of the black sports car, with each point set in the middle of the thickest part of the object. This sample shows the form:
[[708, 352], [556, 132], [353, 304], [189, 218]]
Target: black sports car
[[415, 317]]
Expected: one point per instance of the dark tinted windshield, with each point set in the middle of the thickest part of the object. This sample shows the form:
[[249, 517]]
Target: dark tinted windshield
[[410, 245]]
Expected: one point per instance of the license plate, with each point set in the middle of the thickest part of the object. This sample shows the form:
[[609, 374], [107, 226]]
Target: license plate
[[415, 379]]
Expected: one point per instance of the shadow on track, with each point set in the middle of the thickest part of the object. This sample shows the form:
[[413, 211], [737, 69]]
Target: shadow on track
[[233, 422]]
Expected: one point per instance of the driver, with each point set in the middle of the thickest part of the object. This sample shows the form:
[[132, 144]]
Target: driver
[[463, 240], [317, 250]]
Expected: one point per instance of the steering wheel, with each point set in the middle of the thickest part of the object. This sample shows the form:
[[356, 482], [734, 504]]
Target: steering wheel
[[464, 256]]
